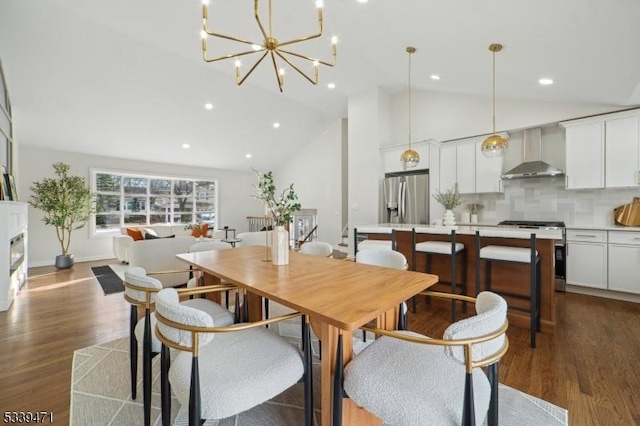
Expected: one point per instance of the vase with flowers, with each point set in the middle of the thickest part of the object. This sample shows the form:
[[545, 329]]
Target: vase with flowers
[[279, 206], [450, 199]]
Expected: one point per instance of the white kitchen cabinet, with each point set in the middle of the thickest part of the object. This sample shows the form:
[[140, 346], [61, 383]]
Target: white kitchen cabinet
[[466, 167], [587, 258], [448, 166], [622, 159], [488, 172], [624, 261], [585, 149]]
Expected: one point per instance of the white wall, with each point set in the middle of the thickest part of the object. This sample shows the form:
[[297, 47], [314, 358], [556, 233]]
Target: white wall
[[369, 126], [446, 116], [235, 199], [317, 177]]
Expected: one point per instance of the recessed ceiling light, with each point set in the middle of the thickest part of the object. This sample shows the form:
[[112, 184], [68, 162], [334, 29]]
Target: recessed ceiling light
[[362, 1], [545, 81], [435, 77], [276, 125], [208, 106], [186, 146], [248, 156], [331, 85]]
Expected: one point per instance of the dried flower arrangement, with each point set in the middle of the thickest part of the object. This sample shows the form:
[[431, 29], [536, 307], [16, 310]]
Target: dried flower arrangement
[[474, 208]]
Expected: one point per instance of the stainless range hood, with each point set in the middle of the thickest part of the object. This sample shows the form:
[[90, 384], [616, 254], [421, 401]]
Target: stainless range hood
[[532, 164]]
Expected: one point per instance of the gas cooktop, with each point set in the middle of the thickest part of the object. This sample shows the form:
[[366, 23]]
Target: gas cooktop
[[534, 224]]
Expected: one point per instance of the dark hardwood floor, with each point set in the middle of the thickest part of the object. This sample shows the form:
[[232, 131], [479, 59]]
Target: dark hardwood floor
[[589, 366]]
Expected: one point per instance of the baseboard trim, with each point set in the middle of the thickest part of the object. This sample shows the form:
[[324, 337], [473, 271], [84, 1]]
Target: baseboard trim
[[609, 294]]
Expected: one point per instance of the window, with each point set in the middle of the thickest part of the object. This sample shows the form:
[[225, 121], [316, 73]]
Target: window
[[124, 199]]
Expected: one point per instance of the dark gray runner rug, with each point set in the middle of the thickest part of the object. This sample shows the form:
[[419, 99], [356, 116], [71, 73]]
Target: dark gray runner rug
[[108, 279]]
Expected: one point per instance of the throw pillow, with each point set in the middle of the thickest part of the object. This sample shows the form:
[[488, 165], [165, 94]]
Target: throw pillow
[[155, 237], [135, 233], [149, 231], [197, 233]]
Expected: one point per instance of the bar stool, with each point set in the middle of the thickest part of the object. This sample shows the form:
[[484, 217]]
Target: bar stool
[[383, 237], [514, 255], [449, 249]]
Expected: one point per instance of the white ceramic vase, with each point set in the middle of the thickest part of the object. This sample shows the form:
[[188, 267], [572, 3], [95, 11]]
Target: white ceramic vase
[[280, 246], [474, 218], [449, 218]]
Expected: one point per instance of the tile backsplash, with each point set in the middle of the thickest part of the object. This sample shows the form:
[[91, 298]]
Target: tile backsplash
[[547, 199]]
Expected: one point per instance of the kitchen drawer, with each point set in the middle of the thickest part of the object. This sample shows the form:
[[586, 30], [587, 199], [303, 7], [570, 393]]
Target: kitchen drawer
[[587, 235], [624, 237]]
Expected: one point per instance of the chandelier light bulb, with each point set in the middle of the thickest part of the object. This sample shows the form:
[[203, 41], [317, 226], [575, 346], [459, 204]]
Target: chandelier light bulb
[[319, 4], [203, 35], [334, 40], [238, 64], [256, 47], [206, 2]]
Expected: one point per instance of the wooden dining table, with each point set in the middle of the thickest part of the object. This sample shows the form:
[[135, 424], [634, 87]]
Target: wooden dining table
[[338, 296]]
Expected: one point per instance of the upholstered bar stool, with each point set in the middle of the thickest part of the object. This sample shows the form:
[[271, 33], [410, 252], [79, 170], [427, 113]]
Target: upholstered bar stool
[[525, 256], [424, 244], [373, 237]]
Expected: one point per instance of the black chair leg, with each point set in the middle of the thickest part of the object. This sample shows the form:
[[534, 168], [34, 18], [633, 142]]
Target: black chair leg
[[133, 351], [266, 309], [194, 394], [468, 412], [308, 376], [245, 308], [165, 386], [402, 318], [236, 308], [146, 369], [492, 373], [337, 385]]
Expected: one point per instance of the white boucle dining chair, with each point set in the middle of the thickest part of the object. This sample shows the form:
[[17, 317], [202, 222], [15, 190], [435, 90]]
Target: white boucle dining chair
[[220, 371], [409, 379], [141, 290], [317, 248]]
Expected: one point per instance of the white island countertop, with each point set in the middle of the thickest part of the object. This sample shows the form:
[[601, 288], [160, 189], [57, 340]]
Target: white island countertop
[[385, 228]]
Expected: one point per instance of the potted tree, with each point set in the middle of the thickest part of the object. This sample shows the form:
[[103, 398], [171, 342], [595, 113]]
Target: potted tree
[[67, 203]]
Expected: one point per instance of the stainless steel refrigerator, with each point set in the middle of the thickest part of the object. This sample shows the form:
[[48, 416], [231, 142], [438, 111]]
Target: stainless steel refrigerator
[[405, 198]]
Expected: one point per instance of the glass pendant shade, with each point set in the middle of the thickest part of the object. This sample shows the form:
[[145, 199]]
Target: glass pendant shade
[[494, 146], [409, 159]]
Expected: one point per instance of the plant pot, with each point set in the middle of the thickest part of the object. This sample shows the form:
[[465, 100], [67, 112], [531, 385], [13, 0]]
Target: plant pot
[[64, 261], [280, 246]]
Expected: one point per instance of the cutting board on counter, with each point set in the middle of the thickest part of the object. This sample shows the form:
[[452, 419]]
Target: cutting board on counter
[[628, 214]]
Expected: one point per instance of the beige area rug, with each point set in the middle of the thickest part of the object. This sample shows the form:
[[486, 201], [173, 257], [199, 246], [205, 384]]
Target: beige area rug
[[101, 393]]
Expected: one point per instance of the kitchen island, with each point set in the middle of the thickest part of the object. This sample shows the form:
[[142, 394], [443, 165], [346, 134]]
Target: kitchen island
[[511, 278]]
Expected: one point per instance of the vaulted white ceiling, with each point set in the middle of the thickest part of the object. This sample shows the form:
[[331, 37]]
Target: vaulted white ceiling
[[126, 78]]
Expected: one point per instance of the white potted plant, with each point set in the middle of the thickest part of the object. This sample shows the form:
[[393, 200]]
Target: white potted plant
[[67, 203], [449, 200]]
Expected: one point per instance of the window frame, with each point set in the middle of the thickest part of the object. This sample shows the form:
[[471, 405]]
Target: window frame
[[94, 232]]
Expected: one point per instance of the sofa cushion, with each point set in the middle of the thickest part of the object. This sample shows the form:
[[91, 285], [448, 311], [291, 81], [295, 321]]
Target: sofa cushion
[[135, 233], [155, 237]]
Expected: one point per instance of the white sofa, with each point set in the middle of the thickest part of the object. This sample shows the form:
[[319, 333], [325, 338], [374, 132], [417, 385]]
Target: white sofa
[[123, 242], [160, 255]]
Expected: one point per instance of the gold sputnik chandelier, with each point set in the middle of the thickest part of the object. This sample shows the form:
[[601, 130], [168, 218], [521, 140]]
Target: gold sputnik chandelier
[[269, 45], [494, 145], [410, 158]]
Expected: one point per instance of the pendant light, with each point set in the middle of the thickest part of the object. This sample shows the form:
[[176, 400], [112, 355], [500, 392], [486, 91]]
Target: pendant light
[[494, 145], [410, 158]]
